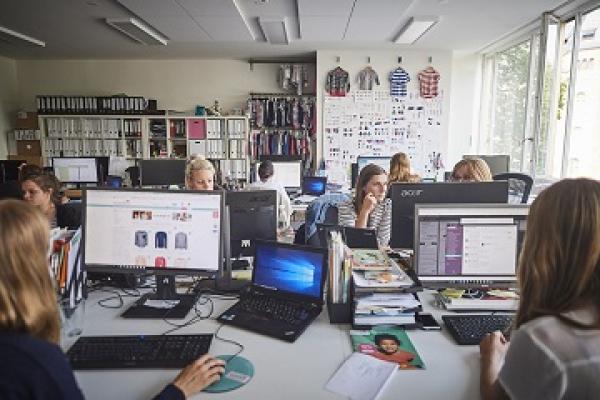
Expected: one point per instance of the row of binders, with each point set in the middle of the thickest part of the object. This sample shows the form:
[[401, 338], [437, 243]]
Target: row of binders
[[215, 128], [27, 134], [91, 105], [83, 148], [234, 169], [65, 263], [237, 148], [83, 128], [236, 128]]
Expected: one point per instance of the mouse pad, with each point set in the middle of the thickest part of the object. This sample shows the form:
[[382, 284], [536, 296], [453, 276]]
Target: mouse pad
[[238, 372]]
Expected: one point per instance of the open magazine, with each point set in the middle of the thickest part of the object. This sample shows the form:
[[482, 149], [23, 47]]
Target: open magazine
[[387, 343]]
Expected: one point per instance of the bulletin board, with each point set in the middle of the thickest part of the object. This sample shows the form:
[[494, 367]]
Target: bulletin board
[[372, 123]]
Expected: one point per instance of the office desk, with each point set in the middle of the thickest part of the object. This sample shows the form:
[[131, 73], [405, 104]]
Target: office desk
[[282, 370]]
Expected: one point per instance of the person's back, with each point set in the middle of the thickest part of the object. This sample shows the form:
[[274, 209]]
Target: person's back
[[266, 182]]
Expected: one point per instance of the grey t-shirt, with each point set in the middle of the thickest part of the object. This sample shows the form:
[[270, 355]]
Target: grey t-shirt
[[548, 359]]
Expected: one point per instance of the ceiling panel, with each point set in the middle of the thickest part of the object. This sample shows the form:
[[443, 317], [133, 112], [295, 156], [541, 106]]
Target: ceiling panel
[[179, 29], [145, 8], [363, 29], [378, 9], [217, 8], [228, 29], [322, 29], [325, 7]]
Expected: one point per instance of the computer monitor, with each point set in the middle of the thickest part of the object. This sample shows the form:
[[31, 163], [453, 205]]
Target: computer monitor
[[76, 169], [314, 185], [362, 161], [498, 163], [287, 173], [406, 195], [9, 170], [160, 231], [162, 172], [468, 244], [252, 215]]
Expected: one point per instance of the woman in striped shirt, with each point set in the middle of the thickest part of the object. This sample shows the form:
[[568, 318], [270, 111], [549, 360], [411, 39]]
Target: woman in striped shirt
[[370, 209]]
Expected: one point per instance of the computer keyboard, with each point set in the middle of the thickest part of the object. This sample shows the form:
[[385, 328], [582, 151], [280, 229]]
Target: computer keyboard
[[470, 329], [150, 351], [275, 309]]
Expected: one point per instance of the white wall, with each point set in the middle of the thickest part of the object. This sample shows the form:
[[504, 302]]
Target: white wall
[[465, 98], [176, 84], [383, 62], [8, 100]]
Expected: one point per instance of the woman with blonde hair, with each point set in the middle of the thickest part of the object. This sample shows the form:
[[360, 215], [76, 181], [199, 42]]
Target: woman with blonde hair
[[471, 170], [33, 365], [554, 353], [400, 169], [199, 173]]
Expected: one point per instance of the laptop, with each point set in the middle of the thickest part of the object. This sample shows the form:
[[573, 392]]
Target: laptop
[[312, 187], [286, 293]]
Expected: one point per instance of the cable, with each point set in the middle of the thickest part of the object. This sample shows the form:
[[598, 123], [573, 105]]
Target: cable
[[241, 346], [194, 319]]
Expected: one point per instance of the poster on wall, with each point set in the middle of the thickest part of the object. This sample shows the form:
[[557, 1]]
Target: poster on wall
[[372, 123]]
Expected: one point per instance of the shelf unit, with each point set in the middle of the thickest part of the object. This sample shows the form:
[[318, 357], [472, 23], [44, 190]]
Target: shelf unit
[[224, 140]]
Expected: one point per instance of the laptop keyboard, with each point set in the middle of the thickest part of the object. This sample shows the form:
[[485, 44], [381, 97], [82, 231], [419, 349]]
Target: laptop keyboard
[[275, 308], [470, 329]]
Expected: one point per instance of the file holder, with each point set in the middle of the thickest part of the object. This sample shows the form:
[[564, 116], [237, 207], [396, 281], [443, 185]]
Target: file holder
[[341, 313]]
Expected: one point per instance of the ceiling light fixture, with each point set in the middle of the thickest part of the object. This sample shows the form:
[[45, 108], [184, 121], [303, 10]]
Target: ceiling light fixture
[[137, 30], [21, 36], [275, 30], [415, 28]]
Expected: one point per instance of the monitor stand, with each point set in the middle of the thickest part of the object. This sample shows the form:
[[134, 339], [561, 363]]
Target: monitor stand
[[165, 291]]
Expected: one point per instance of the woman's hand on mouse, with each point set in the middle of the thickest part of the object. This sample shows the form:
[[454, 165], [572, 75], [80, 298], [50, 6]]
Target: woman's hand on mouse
[[199, 374]]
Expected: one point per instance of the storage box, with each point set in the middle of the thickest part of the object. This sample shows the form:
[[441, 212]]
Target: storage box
[[196, 128], [26, 120], [34, 160], [29, 148]]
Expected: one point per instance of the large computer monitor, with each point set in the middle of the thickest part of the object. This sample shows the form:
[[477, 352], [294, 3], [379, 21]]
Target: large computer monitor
[[499, 163], [383, 162], [162, 172], [252, 215], [468, 244], [287, 173], [9, 170], [164, 232], [76, 169], [406, 195]]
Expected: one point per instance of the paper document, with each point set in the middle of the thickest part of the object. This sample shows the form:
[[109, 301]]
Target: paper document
[[361, 377]]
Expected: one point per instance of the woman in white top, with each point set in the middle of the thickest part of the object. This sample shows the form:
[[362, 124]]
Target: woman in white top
[[266, 182], [554, 352], [199, 174], [370, 208]]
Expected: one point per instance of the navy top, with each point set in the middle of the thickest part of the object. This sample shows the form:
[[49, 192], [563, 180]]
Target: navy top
[[34, 369]]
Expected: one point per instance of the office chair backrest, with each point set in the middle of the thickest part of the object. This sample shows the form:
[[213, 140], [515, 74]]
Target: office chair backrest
[[519, 186]]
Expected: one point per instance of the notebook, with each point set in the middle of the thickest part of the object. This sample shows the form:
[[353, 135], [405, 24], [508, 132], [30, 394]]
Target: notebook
[[286, 293]]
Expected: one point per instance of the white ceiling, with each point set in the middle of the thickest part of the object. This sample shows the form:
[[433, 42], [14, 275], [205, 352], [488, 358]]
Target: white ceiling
[[230, 28]]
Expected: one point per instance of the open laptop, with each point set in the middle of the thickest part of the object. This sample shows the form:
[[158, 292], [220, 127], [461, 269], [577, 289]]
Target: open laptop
[[312, 187], [286, 293]]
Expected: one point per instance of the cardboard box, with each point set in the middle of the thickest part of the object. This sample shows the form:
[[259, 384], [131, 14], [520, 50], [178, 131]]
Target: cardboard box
[[29, 148], [26, 120]]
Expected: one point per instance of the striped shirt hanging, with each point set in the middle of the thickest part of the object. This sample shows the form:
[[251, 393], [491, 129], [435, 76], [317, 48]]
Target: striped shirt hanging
[[398, 80]]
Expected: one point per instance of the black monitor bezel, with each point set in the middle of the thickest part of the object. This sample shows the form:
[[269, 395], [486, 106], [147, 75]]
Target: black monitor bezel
[[140, 163], [128, 269]]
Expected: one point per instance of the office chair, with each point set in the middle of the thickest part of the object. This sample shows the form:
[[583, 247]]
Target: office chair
[[134, 176], [519, 186]]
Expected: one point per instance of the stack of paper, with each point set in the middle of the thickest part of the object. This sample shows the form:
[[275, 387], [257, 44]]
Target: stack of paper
[[479, 299]]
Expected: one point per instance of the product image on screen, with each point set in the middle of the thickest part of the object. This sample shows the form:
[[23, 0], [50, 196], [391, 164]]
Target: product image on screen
[[299, 271], [76, 170], [314, 185], [153, 229]]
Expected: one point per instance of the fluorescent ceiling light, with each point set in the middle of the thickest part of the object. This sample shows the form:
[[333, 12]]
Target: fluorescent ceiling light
[[275, 30], [137, 30], [21, 36], [414, 29]]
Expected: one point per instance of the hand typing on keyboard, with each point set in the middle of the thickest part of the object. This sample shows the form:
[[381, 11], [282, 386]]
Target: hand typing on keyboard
[[199, 374]]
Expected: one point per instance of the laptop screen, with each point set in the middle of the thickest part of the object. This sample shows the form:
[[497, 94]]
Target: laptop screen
[[314, 185], [297, 270]]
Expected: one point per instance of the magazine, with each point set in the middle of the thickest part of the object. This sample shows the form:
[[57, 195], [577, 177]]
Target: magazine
[[387, 343], [369, 259]]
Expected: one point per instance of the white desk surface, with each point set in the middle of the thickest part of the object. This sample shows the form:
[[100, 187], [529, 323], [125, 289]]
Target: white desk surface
[[284, 370]]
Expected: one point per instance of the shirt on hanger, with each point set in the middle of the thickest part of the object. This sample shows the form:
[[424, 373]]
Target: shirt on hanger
[[398, 80], [428, 82], [367, 78], [338, 82]]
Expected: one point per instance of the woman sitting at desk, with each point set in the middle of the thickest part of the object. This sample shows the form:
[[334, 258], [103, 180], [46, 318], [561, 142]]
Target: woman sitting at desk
[[199, 174], [471, 170], [554, 352], [369, 209], [42, 189], [33, 366], [400, 170]]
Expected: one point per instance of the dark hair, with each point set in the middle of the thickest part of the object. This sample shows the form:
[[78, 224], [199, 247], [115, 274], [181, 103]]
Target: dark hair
[[265, 171], [368, 171], [386, 336], [46, 181], [29, 169]]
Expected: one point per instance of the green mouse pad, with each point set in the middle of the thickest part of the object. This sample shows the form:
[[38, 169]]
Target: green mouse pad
[[238, 372]]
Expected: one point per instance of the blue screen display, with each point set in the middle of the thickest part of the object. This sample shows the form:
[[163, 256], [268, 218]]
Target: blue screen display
[[292, 270], [313, 185]]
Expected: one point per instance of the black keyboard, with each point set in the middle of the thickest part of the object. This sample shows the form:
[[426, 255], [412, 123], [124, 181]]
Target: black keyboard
[[470, 329], [275, 308], [151, 351]]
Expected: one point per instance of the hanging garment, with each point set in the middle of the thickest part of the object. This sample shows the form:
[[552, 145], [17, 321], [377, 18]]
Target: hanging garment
[[428, 82], [338, 82], [398, 80], [367, 78]]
